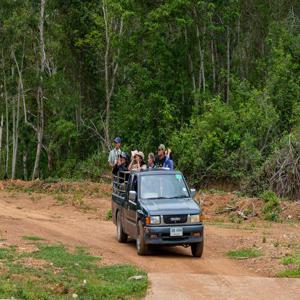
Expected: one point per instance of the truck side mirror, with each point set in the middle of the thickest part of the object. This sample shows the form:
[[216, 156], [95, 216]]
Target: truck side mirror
[[132, 195], [193, 192]]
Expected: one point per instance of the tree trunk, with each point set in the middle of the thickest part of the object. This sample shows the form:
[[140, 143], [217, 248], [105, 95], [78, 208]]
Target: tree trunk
[[111, 66], [16, 121], [213, 64], [13, 137], [6, 119], [25, 158], [228, 66], [40, 133], [201, 81], [7, 138], [106, 68], [1, 131], [40, 94], [190, 61]]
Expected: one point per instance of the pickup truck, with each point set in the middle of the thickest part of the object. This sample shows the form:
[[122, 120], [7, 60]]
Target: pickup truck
[[156, 207]]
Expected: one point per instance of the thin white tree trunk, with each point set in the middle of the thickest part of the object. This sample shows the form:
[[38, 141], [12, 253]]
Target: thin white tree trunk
[[111, 66], [7, 138], [1, 132], [25, 171], [13, 137], [40, 94], [6, 118], [16, 121]]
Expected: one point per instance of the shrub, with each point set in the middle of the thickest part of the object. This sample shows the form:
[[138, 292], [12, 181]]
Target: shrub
[[226, 142], [283, 168], [92, 168], [271, 208]]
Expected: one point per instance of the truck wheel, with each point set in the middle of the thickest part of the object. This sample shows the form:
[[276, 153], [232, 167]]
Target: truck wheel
[[141, 246], [197, 249], [121, 235]]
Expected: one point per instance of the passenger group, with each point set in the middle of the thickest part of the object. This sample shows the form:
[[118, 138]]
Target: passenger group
[[120, 161]]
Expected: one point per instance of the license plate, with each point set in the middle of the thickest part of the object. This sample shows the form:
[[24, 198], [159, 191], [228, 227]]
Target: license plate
[[176, 231]]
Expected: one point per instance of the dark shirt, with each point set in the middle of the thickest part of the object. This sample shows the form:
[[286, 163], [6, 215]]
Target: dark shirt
[[119, 168], [159, 163]]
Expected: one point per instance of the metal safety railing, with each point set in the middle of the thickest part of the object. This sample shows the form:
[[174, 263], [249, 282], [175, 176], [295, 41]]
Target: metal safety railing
[[120, 182]]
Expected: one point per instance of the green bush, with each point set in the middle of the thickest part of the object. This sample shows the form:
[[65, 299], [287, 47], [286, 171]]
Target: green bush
[[226, 142], [271, 208], [93, 168]]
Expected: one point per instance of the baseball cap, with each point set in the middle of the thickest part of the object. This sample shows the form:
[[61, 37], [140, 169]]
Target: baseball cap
[[117, 140], [123, 155]]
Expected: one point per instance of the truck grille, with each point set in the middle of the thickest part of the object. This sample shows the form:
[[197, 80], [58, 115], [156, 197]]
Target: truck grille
[[175, 219]]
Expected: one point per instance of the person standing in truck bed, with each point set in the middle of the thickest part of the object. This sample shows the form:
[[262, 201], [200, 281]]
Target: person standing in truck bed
[[115, 153], [163, 159]]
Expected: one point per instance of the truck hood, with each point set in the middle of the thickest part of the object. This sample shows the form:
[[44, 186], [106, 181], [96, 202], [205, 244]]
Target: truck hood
[[182, 206]]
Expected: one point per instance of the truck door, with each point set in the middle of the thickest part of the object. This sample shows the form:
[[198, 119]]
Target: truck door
[[130, 210]]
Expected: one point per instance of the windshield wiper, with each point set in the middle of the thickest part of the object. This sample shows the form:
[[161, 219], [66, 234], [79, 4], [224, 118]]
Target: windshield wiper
[[180, 196], [173, 197], [154, 198]]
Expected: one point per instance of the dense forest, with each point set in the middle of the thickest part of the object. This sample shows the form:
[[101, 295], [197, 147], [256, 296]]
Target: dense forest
[[216, 81]]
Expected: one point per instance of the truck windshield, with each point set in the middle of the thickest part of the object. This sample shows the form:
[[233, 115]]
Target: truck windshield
[[163, 186]]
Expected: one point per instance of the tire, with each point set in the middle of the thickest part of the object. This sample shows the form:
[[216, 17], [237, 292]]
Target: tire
[[121, 235], [141, 246], [197, 249]]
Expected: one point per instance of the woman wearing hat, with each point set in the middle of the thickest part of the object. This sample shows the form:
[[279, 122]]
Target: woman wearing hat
[[137, 163]]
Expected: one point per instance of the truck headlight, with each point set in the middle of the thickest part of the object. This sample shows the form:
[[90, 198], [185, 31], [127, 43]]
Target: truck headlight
[[195, 218], [154, 220]]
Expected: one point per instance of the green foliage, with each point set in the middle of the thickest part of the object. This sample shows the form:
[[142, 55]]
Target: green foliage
[[293, 273], [202, 77], [291, 260], [244, 253], [225, 142], [92, 168], [271, 208], [32, 238], [108, 216], [293, 264]]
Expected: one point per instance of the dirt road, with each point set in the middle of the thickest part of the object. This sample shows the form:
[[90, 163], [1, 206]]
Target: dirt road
[[173, 272]]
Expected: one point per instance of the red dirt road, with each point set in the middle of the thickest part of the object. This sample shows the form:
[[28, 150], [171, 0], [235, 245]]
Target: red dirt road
[[173, 272]]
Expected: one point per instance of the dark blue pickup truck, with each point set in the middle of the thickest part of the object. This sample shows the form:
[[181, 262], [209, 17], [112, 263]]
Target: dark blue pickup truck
[[156, 208]]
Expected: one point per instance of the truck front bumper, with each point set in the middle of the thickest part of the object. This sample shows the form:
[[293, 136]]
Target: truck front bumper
[[160, 235]]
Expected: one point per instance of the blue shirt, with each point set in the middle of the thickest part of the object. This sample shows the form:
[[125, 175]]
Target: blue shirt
[[168, 163]]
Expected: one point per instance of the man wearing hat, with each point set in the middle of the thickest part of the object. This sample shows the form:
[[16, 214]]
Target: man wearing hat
[[163, 159], [114, 153], [161, 156]]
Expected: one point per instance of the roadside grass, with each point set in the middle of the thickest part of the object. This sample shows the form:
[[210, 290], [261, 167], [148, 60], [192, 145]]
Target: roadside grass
[[53, 272], [108, 216], [54, 187], [75, 199], [292, 273], [244, 253], [60, 199], [292, 262], [32, 238], [240, 226], [215, 191]]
